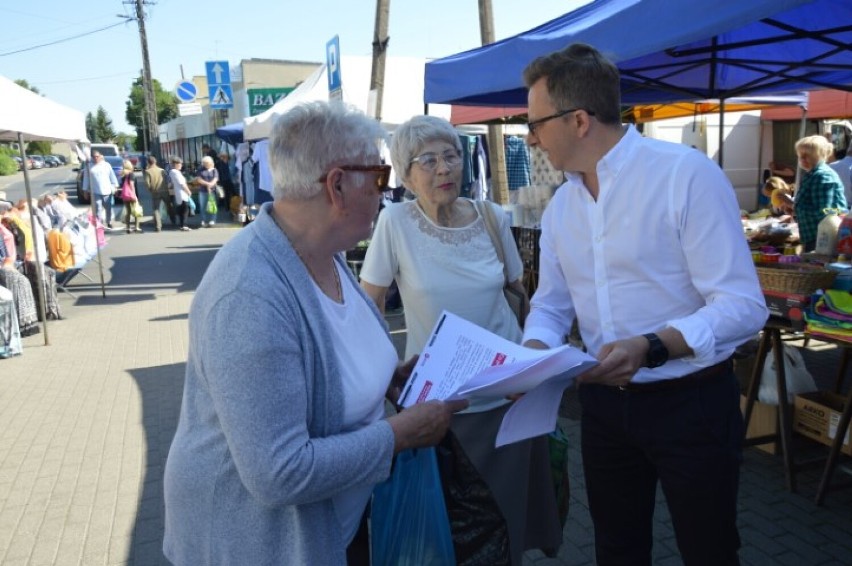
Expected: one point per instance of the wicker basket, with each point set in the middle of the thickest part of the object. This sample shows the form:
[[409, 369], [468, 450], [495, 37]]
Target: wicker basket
[[801, 279]]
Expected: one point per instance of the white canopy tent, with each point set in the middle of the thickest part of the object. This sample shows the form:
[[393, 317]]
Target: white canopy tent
[[26, 116], [37, 117], [402, 99]]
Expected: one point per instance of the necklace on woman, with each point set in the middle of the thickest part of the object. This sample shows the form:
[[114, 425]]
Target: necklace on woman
[[339, 288], [313, 275]]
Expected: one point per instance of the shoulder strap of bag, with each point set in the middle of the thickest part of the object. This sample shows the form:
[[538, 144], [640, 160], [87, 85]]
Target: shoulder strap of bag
[[487, 214]]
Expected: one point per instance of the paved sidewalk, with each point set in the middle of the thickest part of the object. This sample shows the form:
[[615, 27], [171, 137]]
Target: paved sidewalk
[[85, 426]]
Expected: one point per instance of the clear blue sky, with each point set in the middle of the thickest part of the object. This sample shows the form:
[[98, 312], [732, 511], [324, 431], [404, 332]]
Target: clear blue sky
[[99, 68]]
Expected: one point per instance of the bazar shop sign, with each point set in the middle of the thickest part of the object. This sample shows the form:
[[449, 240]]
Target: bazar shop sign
[[262, 99]]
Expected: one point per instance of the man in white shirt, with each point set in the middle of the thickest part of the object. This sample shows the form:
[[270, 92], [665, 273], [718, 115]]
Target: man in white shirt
[[101, 179], [843, 168], [643, 246]]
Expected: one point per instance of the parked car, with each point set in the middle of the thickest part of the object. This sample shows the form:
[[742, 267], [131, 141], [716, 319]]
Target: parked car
[[17, 161], [115, 162], [61, 158], [51, 161], [38, 161], [138, 160]]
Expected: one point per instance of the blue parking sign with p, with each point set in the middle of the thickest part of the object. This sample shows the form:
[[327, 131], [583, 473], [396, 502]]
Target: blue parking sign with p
[[332, 60]]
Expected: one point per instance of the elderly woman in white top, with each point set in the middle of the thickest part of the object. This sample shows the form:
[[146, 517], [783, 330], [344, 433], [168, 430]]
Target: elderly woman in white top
[[438, 249], [282, 434], [181, 190]]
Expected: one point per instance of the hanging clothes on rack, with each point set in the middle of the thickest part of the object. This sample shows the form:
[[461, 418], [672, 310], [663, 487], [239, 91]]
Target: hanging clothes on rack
[[480, 188], [517, 162], [260, 155], [468, 144]]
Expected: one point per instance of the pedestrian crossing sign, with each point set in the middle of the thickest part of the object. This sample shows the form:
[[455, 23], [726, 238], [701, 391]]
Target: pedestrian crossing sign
[[221, 96]]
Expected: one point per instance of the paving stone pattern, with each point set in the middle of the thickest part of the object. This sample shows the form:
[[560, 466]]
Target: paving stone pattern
[[86, 423]]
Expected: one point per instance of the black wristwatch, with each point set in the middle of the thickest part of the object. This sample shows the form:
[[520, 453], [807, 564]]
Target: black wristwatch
[[658, 354]]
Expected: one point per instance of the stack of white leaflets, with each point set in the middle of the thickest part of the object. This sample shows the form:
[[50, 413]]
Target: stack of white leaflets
[[464, 361]]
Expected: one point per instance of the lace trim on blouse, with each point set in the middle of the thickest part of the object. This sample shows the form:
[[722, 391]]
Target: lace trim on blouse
[[450, 236]]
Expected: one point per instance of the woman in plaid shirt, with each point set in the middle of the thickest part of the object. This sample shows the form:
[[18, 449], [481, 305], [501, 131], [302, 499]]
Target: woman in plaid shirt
[[820, 188]]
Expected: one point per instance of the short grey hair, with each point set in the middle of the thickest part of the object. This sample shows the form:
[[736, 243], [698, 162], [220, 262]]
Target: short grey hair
[[207, 159], [410, 137], [314, 137], [175, 159]]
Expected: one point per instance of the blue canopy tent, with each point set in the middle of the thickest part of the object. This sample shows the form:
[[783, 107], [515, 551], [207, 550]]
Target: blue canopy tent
[[231, 133], [669, 51]]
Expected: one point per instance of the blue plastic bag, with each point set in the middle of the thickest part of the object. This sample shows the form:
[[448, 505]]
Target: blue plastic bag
[[409, 523]]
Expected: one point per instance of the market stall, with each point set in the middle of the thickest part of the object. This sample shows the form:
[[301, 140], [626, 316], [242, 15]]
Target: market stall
[[25, 116]]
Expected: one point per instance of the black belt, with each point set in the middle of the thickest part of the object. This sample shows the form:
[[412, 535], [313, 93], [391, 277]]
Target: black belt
[[689, 380]]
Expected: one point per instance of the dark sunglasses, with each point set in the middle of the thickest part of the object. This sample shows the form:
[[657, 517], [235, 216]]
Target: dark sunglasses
[[382, 174]]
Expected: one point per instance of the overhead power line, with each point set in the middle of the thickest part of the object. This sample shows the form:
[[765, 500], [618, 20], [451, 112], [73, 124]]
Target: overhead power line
[[65, 39]]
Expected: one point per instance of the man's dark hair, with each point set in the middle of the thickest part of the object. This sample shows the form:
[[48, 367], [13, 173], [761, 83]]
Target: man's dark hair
[[579, 76]]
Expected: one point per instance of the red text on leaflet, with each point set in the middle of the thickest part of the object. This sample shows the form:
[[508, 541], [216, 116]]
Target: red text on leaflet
[[424, 392], [499, 359]]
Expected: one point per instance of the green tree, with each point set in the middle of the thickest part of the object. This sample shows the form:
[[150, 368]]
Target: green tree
[[99, 126], [164, 100], [124, 140], [38, 148], [7, 165], [25, 84]]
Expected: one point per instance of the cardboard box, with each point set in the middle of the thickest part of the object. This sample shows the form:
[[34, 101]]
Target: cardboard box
[[764, 420], [817, 416]]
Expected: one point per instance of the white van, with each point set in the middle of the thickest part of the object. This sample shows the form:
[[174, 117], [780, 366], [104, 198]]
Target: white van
[[106, 149]]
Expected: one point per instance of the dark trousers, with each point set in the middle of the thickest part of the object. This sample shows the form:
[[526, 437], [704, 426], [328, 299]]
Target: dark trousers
[[690, 439], [181, 211]]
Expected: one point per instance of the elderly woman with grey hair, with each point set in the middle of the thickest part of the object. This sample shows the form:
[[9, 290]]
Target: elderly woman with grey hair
[[438, 249], [207, 180], [819, 189], [282, 433]]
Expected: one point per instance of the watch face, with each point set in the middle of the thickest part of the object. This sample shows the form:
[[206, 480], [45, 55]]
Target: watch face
[[658, 354]]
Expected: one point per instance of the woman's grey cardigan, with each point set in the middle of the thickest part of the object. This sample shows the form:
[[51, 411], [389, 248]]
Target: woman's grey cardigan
[[258, 454]]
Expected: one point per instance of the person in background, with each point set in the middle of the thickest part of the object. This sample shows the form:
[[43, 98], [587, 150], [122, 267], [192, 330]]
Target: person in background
[[12, 279], [225, 179], [207, 179], [780, 194], [22, 216], [155, 181], [65, 208], [132, 222], [46, 205], [276, 465], [819, 188], [438, 250], [100, 181], [843, 168], [181, 190], [643, 247]]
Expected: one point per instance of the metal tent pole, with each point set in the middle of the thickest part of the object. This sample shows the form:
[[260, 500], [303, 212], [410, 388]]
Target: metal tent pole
[[39, 268]]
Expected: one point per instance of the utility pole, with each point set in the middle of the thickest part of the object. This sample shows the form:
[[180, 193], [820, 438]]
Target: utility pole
[[380, 48], [496, 150], [150, 119]]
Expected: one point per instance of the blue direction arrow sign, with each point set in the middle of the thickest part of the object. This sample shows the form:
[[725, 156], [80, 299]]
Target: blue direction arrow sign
[[186, 91], [218, 72]]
